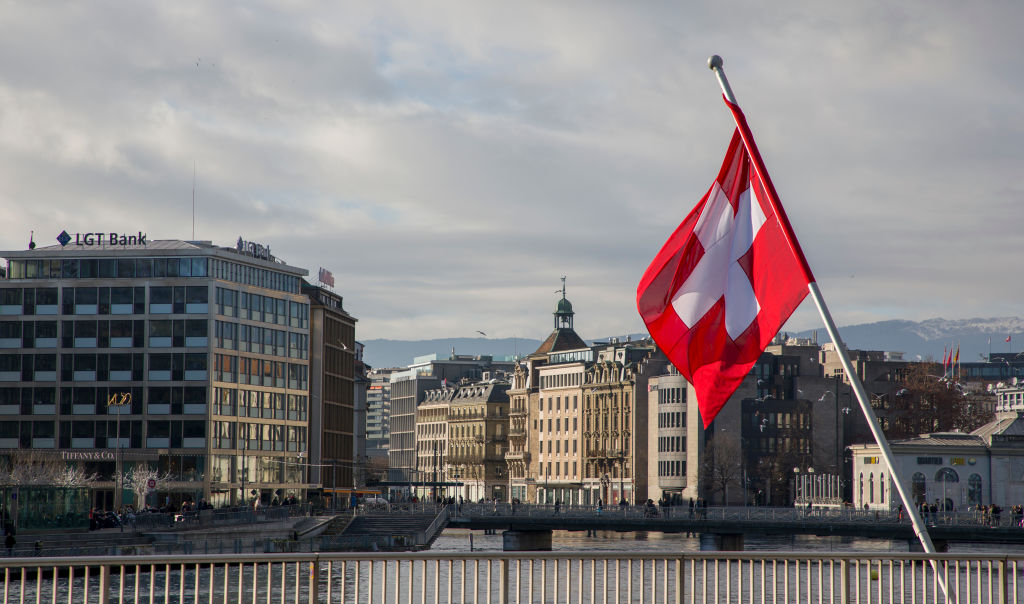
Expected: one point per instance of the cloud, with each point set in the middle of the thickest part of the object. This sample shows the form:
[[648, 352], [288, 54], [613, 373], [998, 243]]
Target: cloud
[[450, 161]]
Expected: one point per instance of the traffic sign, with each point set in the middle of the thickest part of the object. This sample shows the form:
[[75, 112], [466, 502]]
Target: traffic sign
[[151, 483]]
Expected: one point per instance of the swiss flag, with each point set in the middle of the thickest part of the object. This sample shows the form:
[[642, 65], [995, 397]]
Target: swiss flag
[[726, 280]]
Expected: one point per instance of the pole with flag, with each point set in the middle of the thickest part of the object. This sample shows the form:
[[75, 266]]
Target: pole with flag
[[729, 277]]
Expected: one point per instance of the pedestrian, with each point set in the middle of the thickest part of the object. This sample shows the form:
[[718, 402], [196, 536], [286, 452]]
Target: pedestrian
[[558, 504], [600, 507], [691, 508], [10, 542]]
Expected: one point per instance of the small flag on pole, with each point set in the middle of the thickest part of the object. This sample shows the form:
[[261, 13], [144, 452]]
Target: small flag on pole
[[1007, 339], [725, 281]]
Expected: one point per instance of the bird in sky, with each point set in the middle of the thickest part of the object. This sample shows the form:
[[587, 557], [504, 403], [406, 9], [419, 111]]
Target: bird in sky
[[481, 333]]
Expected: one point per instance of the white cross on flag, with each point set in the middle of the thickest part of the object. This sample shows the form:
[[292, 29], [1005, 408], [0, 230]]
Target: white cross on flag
[[726, 280]]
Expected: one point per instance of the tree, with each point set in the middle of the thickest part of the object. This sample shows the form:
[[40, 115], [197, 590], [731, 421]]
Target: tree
[[721, 467], [924, 402], [33, 467], [137, 480]]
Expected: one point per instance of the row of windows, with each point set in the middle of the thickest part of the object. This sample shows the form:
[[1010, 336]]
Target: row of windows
[[254, 307], [102, 367], [538, 424], [261, 340], [668, 396], [555, 403], [559, 448], [671, 468], [258, 437], [42, 434], [250, 275], [254, 403], [603, 423], [108, 268], [260, 372], [116, 333], [671, 444], [560, 469], [672, 419], [104, 300], [564, 380], [88, 400], [253, 469], [799, 421]]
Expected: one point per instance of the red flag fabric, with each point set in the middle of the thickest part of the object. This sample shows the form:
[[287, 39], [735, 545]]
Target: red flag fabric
[[1007, 339], [726, 280], [945, 360]]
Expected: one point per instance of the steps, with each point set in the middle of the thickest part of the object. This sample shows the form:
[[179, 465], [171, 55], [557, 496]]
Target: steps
[[392, 532]]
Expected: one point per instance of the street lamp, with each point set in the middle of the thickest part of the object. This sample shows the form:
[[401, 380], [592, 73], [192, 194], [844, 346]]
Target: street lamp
[[796, 486], [119, 400]]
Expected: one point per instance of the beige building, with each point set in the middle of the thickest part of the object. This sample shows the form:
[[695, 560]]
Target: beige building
[[478, 427], [432, 441], [579, 418], [666, 442], [615, 421]]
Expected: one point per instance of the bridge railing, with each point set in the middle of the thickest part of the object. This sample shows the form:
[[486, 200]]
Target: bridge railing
[[422, 578], [718, 513]]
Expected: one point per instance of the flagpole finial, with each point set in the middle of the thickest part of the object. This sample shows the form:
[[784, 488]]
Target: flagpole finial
[[715, 63]]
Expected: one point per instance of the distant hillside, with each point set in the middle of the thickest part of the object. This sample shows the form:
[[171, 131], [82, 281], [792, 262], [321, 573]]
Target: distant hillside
[[399, 353], [925, 339]]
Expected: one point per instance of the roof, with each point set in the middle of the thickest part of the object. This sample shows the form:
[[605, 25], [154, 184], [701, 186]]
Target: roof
[[559, 340], [150, 245], [1005, 424], [944, 439]]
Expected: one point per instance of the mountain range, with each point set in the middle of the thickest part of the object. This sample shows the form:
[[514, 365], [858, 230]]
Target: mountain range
[[918, 340]]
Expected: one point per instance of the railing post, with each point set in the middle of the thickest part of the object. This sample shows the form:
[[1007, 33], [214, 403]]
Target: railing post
[[844, 581], [104, 596], [314, 579], [503, 586], [1004, 585], [680, 584]]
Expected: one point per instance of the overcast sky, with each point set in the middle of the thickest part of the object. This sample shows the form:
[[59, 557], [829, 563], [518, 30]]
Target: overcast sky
[[450, 162]]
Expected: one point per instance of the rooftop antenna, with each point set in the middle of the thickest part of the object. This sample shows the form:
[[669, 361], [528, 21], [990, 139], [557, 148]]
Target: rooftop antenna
[[193, 200], [31, 241]]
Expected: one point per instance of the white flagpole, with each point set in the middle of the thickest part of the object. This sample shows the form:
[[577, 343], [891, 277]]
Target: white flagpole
[[715, 64]]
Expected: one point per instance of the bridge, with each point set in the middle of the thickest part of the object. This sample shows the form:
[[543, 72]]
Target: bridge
[[529, 526], [504, 577]]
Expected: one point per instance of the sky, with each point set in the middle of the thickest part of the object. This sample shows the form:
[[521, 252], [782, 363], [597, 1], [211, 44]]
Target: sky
[[450, 162]]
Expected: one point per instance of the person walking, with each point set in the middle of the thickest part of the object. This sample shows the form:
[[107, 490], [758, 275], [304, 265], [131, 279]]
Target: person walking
[[10, 542]]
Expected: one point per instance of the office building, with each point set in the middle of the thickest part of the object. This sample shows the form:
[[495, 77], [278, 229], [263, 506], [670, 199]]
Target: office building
[[332, 390], [184, 356]]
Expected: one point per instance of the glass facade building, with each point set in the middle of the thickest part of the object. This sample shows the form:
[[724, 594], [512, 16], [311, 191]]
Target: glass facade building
[[190, 358]]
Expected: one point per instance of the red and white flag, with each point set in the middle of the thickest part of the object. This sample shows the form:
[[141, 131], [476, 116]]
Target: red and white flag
[[1007, 339], [726, 280]]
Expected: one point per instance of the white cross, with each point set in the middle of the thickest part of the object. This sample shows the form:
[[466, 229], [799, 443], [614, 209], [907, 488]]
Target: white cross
[[726, 238]]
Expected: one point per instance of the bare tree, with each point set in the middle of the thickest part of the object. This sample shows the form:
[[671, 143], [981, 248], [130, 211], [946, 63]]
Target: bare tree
[[74, 476], [925, 402], [33, 467], [722, 467], [137, 480]]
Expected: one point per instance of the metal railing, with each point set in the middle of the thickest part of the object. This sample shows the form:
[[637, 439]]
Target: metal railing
[[969, 518], [517, 577]]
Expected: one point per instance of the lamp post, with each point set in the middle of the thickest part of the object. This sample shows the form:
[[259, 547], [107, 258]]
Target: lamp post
[[119, 400], [796, 486]]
